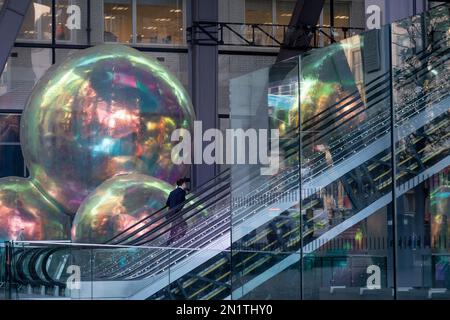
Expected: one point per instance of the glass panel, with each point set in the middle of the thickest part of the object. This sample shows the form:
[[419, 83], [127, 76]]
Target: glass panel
[[160, 22], [62, 55], [346, 199], [9, 128], [118, 21], [2, 262], [71, 21], [342, 14], [258, 11], [75, 271], [233, 66], [176, 63], [37, 25], [24, 68], [421, 95], [11, 161], [265, 213]]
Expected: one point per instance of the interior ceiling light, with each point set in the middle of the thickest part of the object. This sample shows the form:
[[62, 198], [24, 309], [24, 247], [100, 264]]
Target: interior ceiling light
[[120, 8]]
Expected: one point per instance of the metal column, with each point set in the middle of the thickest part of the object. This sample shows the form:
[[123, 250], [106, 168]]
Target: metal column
[[203, 76]]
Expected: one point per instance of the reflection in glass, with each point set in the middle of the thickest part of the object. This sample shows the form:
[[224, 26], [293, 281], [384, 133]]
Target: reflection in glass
[[420, 49]]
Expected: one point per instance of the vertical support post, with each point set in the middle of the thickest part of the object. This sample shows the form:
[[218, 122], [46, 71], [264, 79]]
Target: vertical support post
[[393, 167], [300, 185], [332, 13], [88, 27], [203, 77], [134, 21], [53, 31], [8, 271]]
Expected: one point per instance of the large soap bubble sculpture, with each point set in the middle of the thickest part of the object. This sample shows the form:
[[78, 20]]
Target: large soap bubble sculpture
[[117, 204], [26, 214], [105, 111]]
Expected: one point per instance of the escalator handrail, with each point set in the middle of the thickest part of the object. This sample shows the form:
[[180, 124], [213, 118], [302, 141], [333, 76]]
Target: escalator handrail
[[186, 202], [194, 193]]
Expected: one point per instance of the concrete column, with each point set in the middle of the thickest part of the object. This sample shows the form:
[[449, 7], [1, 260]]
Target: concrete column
[[203, 78]]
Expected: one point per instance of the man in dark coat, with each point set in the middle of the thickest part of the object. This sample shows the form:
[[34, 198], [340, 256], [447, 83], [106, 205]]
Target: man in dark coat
[[176, 198]]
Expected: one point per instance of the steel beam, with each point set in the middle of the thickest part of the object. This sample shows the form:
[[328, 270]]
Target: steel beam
[[12, 15], [301, 28]]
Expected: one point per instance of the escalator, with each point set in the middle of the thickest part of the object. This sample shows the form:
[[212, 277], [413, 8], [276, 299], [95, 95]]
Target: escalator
[[198, 266]]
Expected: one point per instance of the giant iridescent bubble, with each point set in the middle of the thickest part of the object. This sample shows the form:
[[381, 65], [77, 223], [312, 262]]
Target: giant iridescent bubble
[[105, 111], [117, 204], [26, 214]]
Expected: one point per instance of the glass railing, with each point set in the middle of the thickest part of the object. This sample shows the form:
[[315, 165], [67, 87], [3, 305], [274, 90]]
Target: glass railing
[[75, 271], [342, 96], [2, 272]]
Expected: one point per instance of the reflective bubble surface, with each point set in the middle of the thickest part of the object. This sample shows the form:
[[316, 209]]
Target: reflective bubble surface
[[26, 214], [118, 204], [105, 111]]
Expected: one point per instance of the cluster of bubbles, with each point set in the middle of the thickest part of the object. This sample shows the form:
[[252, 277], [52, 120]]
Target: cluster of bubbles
[[106, 112]]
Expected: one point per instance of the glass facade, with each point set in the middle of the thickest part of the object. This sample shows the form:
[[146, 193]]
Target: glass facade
[[326, 226], [423, 206], [143, 22]]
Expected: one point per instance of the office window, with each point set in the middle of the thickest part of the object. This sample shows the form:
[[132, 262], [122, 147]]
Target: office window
[[37, 25], [284, 11], [118, 21], [71, 21], [159, 21], [325, 18], [258, 11], [342, 14]]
